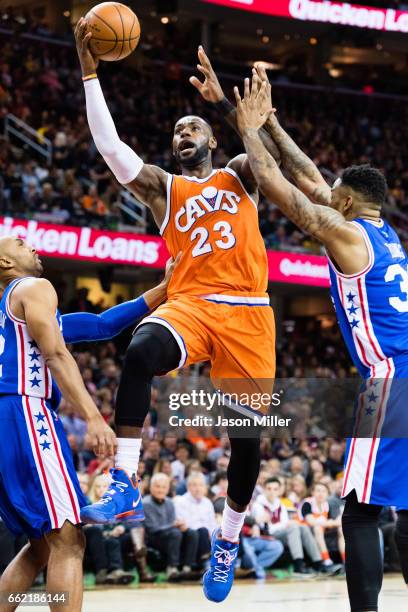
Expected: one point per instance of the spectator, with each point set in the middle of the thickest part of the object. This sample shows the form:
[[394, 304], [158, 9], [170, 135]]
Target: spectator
[[103, 547], [179, 465], [166, 534], [197, 512], [272, 517], [315, 512]]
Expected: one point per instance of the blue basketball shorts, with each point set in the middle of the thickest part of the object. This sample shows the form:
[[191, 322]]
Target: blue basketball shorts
[[39, 488], [377, 455]]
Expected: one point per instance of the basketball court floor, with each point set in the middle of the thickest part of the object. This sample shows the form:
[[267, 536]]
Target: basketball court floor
[[293, 596]]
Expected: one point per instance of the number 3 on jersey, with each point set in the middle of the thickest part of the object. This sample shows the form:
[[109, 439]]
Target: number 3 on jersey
[[397, 271], [226, 241]]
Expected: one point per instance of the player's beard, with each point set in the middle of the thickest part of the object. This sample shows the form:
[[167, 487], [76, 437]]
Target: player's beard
[[195, 160]]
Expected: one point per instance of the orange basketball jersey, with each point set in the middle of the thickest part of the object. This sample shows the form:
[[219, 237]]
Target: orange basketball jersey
[[214, 222]]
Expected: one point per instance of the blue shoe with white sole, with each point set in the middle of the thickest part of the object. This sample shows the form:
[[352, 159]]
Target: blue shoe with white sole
[[217, 581], [121, 503]]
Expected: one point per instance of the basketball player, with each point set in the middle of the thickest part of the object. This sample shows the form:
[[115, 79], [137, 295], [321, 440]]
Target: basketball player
[[218, 308], [369, 285], [39, 490]]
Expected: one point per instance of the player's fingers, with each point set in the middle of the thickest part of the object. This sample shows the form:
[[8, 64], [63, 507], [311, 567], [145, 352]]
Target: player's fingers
[[196, 83], [263, 93], [179, 255], [95, 444], [261, 70], [83, 27], [101, 447], [247, 92], [110, 444], [79, 27], [203, 70], [204, 59], [256, 85], [237, 96]]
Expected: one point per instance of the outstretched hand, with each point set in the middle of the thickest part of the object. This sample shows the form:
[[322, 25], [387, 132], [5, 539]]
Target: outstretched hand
[[256, 106], [259, 70], [210, 88], [89, 63]]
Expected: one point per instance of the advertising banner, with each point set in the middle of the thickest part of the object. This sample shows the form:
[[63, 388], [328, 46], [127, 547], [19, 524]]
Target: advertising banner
[[325, 11]]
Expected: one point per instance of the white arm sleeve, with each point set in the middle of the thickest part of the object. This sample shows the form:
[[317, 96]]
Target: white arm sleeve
[[121, 159]]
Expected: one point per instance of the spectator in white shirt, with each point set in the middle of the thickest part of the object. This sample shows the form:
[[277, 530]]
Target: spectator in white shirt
[[178, 467], [272, 517], [197, 512]]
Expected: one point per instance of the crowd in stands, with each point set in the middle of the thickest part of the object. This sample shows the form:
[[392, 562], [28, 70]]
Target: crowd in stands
[[75, 187]]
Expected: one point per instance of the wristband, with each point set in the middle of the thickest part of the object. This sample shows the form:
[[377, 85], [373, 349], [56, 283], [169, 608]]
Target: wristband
[[90, 76], [224, 106]]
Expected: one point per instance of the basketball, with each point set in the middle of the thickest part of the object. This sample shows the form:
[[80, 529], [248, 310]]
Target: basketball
[[115, 31]]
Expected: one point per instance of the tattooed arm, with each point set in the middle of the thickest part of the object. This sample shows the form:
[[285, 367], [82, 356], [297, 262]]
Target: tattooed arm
[[342, 239], [303, 170], [210, 89]]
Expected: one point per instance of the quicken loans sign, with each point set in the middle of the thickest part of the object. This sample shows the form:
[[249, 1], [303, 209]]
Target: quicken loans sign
[[325, 11]]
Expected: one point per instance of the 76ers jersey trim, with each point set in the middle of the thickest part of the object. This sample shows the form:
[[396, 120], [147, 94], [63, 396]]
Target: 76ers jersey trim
[[372, 307], [22, 367]]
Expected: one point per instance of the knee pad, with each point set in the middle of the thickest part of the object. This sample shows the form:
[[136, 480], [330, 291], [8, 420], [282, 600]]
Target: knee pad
[[152, 351], [356, 514], [140, 354]]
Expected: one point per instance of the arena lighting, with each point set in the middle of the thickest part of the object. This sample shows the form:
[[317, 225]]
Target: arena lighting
[[326, 11], [165, 20]]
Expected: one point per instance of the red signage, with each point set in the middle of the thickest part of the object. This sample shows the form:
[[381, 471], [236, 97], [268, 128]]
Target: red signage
[[87, 244], [298, 269], [325, 11]]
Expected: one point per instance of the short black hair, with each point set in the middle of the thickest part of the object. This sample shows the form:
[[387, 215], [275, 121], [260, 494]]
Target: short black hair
[[272, 480], [209, 126], [367, 181]]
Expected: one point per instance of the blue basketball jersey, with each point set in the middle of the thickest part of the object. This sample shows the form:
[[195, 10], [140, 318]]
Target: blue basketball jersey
[[372, 306], [22, 367]]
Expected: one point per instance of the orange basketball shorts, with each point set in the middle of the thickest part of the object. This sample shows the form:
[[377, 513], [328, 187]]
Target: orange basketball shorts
[[235, 333]]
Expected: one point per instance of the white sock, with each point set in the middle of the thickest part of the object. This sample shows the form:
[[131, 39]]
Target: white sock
[[232, 523], [127, 454]]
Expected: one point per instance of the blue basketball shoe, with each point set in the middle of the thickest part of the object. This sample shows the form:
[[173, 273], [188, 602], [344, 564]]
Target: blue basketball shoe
[[217, 581], [121, 503]]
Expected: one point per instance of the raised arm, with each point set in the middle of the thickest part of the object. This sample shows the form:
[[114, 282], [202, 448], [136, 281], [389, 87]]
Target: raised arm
[[35, 301], [211, 90], [342, 239], [303, 170], [148, 183]]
